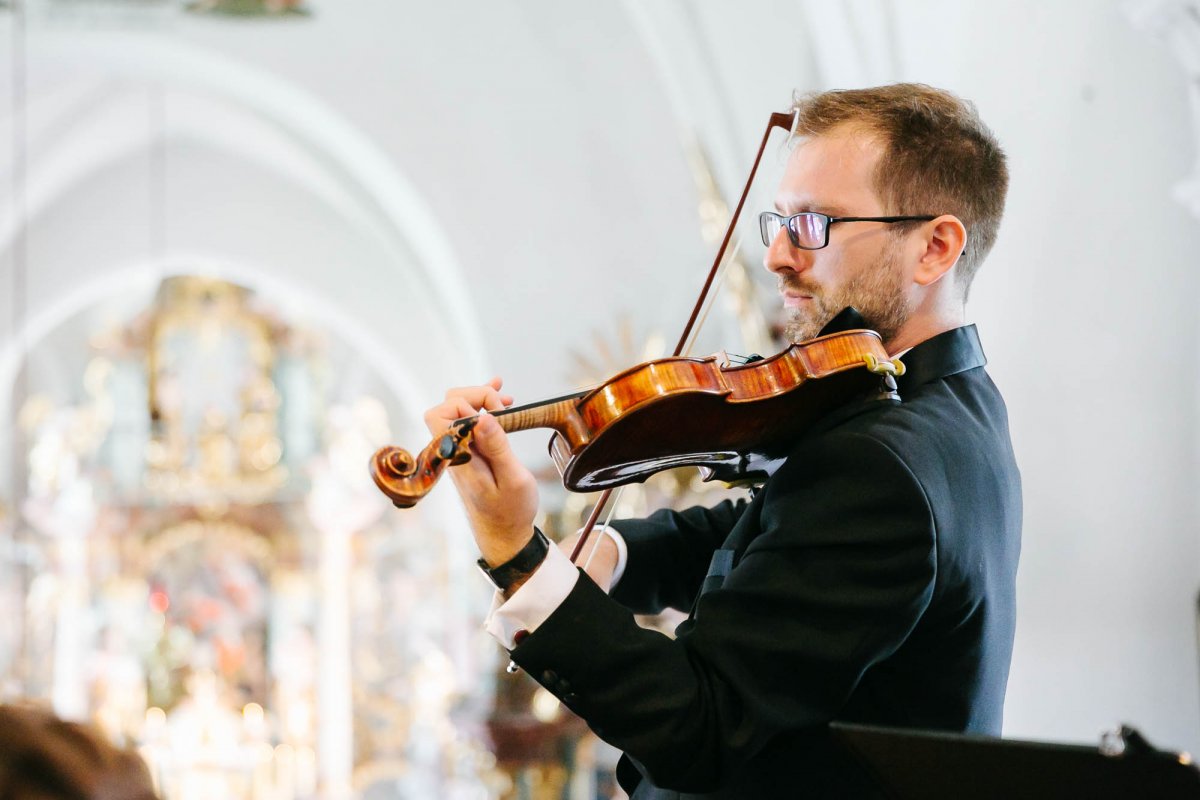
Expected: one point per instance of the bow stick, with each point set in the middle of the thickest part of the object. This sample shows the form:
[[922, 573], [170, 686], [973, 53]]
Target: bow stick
[[778, 120]]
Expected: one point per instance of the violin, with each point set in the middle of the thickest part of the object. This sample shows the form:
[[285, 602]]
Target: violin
[[735, 422]]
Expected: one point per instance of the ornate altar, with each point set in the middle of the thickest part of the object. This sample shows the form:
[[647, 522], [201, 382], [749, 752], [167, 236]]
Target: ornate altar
[[203, 568]]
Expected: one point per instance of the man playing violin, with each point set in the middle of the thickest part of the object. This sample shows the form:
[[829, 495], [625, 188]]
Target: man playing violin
[[872, 578]]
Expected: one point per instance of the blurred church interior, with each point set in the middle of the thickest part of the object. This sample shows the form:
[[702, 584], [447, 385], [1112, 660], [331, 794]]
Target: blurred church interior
[[243, 243]]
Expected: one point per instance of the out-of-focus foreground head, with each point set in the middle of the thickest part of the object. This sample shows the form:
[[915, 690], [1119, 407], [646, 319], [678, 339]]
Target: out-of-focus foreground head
[[43, 757]]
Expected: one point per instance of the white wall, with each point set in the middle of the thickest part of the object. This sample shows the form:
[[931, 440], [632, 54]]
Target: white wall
[[1088, 309]]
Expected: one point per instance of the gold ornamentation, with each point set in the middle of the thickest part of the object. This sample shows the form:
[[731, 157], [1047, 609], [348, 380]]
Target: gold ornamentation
[[213, 403]]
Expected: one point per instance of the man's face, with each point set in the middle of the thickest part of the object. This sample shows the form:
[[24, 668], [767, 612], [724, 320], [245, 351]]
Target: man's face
[[864, 264]]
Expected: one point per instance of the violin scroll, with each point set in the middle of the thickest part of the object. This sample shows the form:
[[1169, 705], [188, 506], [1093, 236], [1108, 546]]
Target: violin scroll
[[405, 480]]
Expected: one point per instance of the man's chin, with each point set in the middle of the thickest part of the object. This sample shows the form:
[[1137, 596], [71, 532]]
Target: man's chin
[[805, 324], [801, 330]]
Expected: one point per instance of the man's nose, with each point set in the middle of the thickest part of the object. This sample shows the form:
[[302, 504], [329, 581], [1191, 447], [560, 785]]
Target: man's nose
[[781, 255]]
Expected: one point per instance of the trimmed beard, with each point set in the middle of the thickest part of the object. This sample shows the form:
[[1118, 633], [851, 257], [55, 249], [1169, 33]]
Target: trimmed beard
[[877, 293]]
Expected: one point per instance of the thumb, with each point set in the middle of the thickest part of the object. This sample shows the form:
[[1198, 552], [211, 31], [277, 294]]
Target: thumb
[[492, 443], [509, 475]]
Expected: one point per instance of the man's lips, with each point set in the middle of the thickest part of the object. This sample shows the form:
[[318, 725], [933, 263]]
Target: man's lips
[[794, 299]]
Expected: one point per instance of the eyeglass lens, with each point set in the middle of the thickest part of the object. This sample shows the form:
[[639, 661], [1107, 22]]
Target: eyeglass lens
[[807, 230]]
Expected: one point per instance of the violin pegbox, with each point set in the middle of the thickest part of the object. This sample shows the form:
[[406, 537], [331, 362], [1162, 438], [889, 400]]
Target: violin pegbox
[[405, 479]]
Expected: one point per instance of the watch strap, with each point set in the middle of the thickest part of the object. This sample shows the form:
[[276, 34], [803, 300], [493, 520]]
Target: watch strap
[[519, 566]]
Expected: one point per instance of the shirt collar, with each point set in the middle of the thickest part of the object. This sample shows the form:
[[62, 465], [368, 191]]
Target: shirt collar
[[946, 354]]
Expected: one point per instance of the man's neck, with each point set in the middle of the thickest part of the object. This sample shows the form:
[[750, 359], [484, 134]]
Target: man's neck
[[923, 327]]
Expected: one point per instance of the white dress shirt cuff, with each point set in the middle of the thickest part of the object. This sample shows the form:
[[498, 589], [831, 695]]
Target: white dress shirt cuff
[[536, 600], [542, 593]]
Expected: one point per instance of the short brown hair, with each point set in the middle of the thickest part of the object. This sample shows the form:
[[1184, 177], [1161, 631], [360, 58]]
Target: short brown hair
[[939, 157], [43, 757]]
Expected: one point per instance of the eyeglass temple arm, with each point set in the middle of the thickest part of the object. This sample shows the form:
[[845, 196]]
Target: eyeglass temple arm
[[921, 217], [785, 120]]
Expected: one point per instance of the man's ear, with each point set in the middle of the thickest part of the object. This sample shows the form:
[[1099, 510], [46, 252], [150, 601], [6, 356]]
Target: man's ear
[[944, 242]]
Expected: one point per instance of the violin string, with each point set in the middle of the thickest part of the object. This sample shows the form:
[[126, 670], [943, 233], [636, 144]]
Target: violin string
[[708, 304]]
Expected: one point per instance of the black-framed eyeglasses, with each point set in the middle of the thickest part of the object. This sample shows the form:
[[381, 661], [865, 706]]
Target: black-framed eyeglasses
[[809, 230]]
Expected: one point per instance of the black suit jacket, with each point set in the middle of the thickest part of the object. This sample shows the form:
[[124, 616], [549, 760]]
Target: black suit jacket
[[870, 580]]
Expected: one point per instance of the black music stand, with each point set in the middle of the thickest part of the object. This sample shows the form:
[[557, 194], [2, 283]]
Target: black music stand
[[920, 765]]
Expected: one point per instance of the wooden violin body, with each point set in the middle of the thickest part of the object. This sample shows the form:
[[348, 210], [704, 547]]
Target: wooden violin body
[[732, 420]]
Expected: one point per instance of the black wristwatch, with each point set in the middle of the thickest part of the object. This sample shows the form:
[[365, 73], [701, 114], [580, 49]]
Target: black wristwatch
[[520, 565]]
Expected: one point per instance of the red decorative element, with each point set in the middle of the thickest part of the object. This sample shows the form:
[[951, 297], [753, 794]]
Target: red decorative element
[[159, 601]]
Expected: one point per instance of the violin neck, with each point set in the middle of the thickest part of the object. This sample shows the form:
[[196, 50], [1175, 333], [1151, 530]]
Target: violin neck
[[553, 413]]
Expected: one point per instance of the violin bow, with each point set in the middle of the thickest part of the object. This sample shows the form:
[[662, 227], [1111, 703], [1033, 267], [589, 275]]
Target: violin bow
[[786, 121]]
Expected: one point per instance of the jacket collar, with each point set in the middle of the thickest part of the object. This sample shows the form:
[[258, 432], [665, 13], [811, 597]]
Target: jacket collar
[[946, 354]]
